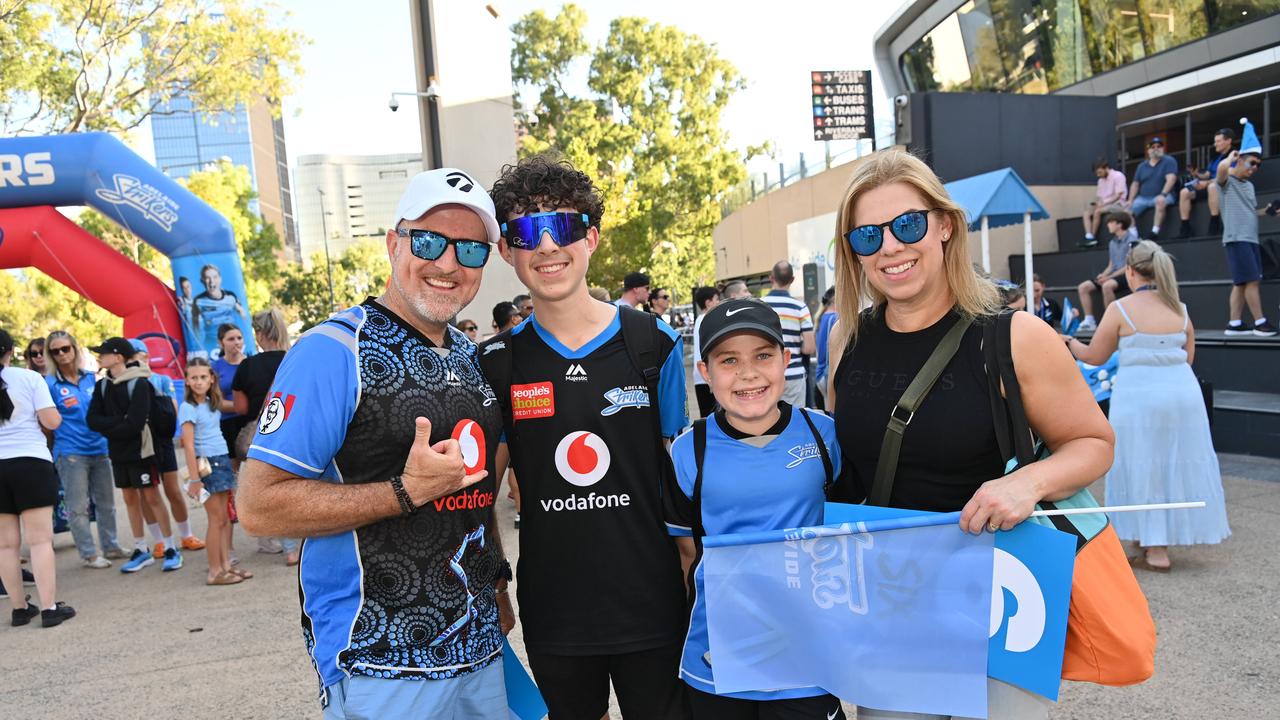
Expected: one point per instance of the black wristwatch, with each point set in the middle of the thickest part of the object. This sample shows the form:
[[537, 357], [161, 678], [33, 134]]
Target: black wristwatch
[[406, 503]]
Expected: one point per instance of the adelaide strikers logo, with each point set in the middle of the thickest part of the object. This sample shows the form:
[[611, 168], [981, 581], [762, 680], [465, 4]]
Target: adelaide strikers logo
[[470, 439], [582, 458], [275, 413]]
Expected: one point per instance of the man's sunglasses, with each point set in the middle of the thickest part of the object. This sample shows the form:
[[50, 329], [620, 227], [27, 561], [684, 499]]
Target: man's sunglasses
[[430, 245], [565, 228], [909, 227]]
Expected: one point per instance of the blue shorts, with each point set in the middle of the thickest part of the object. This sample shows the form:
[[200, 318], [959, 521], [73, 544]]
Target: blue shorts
[[1143, 204], [1244, 259], [480, 695], [223, 478]]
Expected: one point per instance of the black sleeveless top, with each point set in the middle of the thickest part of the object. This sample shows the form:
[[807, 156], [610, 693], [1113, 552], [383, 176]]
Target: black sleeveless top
[[950, 448]]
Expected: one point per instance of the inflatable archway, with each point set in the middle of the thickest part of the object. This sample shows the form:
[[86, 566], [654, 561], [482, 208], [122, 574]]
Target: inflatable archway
[[95, 169]]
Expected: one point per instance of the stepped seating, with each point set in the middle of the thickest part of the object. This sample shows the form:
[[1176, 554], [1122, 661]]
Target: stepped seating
[[1244, 371]]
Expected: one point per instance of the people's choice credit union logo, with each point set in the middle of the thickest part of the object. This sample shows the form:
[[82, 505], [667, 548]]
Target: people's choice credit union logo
[[582, 458], [470, 439]]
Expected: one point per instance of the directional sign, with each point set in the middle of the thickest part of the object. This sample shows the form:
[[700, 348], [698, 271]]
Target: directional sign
[[842, 105]]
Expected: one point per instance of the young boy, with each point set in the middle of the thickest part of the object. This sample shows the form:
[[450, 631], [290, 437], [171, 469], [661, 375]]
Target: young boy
[[589, 390], [120, 413], [1240, 213], [764, 466], [1111, 280]]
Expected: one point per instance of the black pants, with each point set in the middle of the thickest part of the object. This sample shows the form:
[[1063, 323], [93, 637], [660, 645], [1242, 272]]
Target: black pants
[[715, 707], [576, 687], [706, 401]]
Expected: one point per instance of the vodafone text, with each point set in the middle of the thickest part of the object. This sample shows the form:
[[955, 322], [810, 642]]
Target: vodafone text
[[466, 501], [590, 501]]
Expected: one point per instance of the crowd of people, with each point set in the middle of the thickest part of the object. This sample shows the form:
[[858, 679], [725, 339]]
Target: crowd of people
[[383, 435]]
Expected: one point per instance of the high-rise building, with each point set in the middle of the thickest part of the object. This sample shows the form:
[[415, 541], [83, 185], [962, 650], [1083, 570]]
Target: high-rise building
[[187, 140], [357, 195]]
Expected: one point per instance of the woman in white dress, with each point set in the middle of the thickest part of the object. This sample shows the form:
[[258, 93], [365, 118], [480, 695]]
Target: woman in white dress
[[1164, 452]]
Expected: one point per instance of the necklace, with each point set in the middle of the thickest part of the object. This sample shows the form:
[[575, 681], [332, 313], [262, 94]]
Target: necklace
[[1148, 286]]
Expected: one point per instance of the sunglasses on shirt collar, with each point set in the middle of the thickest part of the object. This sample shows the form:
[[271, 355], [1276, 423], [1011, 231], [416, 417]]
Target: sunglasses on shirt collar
[[564, 228], [430, 245]]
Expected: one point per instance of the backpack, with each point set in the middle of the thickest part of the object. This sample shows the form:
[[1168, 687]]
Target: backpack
[[640, 335], [162, 418]]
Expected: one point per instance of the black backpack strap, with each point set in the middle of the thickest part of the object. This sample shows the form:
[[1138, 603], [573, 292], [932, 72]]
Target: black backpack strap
[[640, 335], [1023, 445], [827, 465], [999, 409], [495, 361], [912, 397], [699, 454]]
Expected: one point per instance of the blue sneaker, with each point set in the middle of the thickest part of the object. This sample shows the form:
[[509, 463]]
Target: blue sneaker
[[137, 561], [172, 560]]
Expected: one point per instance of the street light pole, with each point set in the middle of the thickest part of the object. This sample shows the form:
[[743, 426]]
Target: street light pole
[[328, 264]]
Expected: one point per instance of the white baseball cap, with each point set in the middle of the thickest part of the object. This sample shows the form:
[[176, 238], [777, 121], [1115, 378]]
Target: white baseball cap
[[447, 186]]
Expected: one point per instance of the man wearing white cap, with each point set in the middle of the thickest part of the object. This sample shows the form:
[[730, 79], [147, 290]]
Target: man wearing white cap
[[375, 445]]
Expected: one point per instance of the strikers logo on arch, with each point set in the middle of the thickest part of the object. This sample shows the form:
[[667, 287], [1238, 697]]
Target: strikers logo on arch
[[470, 439], [582, 458]]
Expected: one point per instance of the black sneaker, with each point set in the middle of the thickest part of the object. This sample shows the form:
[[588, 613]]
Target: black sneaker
[[1087, 243], [61, 611], [23, 616], [1266, 329], [1237, 330], [1184, 231]]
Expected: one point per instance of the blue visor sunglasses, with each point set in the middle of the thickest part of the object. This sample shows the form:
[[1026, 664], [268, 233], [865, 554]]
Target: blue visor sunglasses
[[909, 227], [430, 245], [565, 228]]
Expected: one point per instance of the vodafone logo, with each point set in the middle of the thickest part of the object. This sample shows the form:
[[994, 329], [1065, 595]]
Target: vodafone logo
[[582, 458], [470, 439]]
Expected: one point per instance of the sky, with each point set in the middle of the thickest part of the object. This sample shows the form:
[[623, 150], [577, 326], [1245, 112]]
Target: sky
[[355, 61]]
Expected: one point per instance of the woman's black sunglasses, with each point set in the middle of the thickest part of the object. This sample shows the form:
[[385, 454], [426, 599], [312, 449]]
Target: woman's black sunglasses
[[909, 227], [430, 245]]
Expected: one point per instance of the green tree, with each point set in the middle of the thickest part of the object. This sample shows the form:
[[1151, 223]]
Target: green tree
[[648, 132], [76, 65], [361, 271], [36, 305]]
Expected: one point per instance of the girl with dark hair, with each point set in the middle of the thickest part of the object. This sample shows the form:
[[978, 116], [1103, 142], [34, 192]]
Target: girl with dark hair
[[35, 358], [28, 489]]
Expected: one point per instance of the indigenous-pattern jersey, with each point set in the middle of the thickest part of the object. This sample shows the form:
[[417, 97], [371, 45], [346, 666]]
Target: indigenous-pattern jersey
[[598, 574], [407, 597]]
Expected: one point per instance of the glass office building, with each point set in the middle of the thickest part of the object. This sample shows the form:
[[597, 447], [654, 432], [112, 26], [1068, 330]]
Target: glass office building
[[1041, 46]]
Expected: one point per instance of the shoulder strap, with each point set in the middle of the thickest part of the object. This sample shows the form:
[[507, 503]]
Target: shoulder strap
[[640, 336], [827, 465], [699, 453], [900, 416], [494, 355], [1022, 444], [1125, 314]]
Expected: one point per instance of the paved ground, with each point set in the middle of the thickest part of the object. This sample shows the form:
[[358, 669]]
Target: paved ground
[[160, 645]]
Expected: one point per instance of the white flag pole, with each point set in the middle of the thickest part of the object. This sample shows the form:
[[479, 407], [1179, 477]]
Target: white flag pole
[[1118, 508], [1028, 272], [986, 245]]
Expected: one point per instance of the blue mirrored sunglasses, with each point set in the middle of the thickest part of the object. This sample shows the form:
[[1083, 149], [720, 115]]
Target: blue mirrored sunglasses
[[909, 227], [430, 245], [565, 228]]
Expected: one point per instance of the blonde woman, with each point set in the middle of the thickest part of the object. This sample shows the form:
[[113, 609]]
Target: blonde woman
[[903, 246], [1164, 452], [249, 388]]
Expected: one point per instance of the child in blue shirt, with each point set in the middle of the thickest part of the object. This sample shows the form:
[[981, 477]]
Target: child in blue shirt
[[756, 464], [200, 419]]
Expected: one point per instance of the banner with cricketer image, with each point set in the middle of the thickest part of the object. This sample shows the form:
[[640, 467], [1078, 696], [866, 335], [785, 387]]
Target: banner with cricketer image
[[210, 293]]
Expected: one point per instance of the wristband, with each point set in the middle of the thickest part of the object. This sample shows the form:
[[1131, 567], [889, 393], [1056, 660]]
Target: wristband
[[504, 572], [406, 503]]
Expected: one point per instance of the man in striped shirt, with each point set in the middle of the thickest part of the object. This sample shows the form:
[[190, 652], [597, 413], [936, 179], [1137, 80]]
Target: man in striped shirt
[[797, 330]]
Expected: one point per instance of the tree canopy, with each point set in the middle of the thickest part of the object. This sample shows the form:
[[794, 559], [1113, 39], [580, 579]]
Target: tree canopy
[[79, 65], [647, 132]]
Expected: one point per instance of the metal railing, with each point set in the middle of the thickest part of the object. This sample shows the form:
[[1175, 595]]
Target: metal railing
[[1193, 155], [802, 166]]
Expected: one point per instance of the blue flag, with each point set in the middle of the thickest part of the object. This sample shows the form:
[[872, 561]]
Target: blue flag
[[1032, 569], [1102, 377], [1069, 323], [524, 702], [890, 614]]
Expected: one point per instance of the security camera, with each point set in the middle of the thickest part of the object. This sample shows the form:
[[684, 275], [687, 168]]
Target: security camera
[[901, 100], [393, 103]]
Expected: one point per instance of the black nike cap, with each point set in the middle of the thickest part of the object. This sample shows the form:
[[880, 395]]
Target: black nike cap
[[735, 316]]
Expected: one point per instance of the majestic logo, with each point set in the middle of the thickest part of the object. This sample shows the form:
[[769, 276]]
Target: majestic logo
[[619, 398], [470, 439], [151, 202], [451, 378], [456, 179], [807, 451], [1026, 625], [494, 346], [582, 458], [36, 166], [535, 400], [575, 373], [275, 413]]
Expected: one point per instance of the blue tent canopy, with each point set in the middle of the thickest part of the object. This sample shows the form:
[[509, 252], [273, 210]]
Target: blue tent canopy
[[1000, 195]]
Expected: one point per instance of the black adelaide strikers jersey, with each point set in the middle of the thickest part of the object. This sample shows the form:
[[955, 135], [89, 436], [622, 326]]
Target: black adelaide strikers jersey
[[597, 573], [409, 596]]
